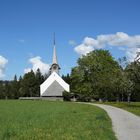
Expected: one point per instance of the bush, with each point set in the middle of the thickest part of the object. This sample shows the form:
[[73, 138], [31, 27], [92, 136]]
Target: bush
[[83, 98], [66, 96]]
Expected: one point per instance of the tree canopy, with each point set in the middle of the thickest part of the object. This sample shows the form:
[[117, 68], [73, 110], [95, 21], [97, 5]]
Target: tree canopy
[[99, 76]]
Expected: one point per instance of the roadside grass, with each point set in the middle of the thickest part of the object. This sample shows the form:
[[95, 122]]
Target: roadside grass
[[46, 120], [133, 107]]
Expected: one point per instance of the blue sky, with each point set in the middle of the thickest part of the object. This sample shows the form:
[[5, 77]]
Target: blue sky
[[27, 26]]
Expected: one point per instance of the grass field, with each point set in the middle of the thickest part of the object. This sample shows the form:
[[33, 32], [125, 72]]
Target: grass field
[[133, 107], [43, 120]]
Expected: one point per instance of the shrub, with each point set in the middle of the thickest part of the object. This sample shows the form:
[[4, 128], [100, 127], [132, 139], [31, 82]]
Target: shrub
[[66, 96]]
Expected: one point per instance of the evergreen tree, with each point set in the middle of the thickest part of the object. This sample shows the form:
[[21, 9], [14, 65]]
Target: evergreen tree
[[15, 88], [2, 94], [7, 91], [66, 78], [28, 85], [39, 80]]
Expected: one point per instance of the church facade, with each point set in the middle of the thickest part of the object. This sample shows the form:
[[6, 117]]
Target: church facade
[[54, 85]]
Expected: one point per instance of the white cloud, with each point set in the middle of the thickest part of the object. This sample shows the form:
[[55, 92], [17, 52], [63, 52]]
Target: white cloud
[[82, 49], [3, 62], [129, 44], [37, 63], [72, 42]]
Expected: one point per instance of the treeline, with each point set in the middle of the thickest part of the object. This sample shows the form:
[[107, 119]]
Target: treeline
[[26, 86], [98, 76]]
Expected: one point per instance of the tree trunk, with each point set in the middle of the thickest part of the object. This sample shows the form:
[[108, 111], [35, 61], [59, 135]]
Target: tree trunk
[[122, 97], [129, 98]]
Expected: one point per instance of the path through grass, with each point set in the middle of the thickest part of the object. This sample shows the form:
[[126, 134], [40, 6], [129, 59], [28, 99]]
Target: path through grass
[[133, 107], [43, 120]]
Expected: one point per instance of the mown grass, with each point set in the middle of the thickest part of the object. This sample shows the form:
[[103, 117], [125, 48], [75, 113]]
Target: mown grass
[[133, 107], [43, 120]]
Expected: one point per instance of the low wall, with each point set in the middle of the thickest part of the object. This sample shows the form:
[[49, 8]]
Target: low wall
[[42, 98]]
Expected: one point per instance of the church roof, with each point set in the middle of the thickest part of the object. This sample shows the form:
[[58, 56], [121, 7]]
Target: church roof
[[52, 78]]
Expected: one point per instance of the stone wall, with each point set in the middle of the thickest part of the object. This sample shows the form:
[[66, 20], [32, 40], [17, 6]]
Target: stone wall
[[42, 98]]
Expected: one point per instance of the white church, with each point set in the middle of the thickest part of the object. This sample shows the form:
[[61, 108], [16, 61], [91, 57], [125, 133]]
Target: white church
[[54, 85]]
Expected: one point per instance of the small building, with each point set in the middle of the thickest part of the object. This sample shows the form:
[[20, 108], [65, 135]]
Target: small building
[[54, 85]]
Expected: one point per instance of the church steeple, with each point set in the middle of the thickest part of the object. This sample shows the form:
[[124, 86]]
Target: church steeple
[[53, 87], [54, 53], [54, 67]]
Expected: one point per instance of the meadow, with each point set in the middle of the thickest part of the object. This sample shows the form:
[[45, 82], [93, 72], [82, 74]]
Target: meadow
[[133, 107], [46, 120]]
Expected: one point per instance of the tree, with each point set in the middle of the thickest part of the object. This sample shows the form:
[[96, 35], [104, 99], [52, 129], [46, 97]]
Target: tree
[[121, 83], [67, 78], [126, 85], [7, 92], [28, 86], [39, 80], [14, 88], [2, 95], [133, 70], [94, 75]]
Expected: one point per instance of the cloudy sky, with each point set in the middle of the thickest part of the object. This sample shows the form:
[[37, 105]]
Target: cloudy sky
[[81, 26]]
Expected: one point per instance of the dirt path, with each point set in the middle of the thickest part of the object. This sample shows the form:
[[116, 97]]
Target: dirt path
[[125, 125]]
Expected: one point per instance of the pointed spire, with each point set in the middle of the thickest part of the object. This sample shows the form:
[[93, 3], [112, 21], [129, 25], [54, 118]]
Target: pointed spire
[[54, 38], [54, 67], [54, 53]]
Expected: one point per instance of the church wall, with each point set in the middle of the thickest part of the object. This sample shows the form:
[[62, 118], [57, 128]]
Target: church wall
[[55, 89]]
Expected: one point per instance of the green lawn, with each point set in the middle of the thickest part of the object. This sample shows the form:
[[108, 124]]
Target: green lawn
[[43, 120], [133, 107]]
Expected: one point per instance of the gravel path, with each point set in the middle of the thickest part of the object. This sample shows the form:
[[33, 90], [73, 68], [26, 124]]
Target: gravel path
[[125, 125]]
